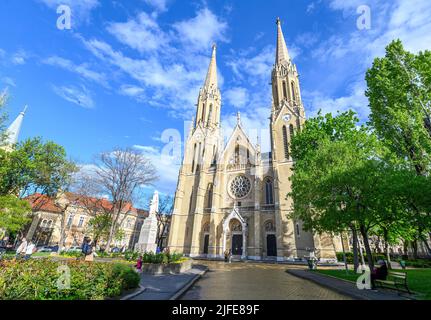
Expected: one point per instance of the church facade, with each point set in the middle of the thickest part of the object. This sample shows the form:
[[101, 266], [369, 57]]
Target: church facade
[[231, 196]]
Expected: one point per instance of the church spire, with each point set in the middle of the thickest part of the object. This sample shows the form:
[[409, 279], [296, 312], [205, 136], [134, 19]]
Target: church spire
[[211, 79], [14, 129], [282, 55]]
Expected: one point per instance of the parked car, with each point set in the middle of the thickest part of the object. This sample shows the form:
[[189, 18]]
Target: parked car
[[74, 249], [45, 249]]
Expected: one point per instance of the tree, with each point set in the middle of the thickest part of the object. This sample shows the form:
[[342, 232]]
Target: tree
[[166, 205], [337, 166], [14, 213], [399, 92], [34, 166], [121, 174]]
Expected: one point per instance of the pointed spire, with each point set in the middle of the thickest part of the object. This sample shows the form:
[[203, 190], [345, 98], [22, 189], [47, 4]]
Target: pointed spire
[[211, 78], [238, 118], [282, 54], [14, 129]]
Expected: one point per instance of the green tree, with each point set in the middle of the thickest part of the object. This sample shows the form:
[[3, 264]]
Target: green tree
[[338, 165], [399, 92], [34, 166], [14, 213], [3, 117]]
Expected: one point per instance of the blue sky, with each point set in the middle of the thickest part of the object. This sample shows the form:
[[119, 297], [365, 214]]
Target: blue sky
[[128, 70]]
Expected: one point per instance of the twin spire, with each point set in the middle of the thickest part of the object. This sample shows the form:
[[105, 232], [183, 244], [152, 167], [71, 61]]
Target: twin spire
[[211, 79], [282, 54], [282, 57]]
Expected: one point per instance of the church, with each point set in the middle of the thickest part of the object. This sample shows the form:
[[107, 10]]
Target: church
[[231, 196]]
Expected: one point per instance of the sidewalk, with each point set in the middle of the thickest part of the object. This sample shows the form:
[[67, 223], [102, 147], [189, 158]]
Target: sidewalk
[[167, 287], [347, 288]]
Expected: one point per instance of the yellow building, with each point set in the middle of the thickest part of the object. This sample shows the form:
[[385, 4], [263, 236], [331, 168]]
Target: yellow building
[[50, 218], [233, 197]]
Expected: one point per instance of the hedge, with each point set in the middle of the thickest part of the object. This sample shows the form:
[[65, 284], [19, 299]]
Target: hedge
[[349, 257], [36, 279]]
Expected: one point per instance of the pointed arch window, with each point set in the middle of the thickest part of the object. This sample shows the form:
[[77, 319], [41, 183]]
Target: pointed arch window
[[194, 157], [298, 123], [210, 114], [269, 192], [284, 90], [210, 192], [292, 132], [286, 143], [203, 113], [293, 91], [237, 154]]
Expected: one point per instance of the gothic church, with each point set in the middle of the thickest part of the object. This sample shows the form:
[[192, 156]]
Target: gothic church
[[233, 197]]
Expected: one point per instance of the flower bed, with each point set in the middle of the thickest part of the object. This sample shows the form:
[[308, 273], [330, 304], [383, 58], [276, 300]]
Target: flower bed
[[37, 279]]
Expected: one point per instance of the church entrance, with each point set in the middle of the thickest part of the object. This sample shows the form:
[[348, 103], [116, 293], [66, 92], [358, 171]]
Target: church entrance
[[206, 243], [271, 245], [237, 244]]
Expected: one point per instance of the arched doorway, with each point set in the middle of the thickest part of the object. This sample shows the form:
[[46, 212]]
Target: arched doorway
[[271, 239], [206, 243], [237, 239], [235, 234]]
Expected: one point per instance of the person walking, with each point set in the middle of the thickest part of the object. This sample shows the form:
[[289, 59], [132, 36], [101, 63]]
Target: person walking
[[138, 265], [230, 256], [226, 255], [20, 252], [31, 248], [89, 256]]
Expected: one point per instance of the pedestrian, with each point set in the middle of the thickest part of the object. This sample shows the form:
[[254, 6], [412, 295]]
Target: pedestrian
[[89, 256], [226, 255], [20, 252], [230, 256], [379, 273], [138, 265], [31, 248]]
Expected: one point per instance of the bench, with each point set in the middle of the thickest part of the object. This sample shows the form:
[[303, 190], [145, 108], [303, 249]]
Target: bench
[[395, 280]]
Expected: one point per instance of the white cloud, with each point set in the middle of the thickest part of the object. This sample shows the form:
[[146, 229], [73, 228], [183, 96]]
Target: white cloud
[[78, 96], [132, 91], [82, 70], [167, 167], [159, 5], [142, 33], [8, 81], [237, 96], [348, 55], [19, 58], [203, 30]]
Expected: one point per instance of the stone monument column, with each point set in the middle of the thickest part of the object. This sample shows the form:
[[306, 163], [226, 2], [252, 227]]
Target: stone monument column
[[148, 235]]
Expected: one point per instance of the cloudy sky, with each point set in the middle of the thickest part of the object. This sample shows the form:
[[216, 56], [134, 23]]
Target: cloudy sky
[[127, 71]]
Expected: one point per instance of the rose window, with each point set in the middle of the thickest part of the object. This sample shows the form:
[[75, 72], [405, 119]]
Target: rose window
[[240, 187]]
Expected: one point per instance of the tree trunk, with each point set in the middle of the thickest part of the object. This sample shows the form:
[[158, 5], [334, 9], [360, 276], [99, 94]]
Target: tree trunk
[[388, 255], [355, 248], [344, 254], [364, 234], [415, 249]]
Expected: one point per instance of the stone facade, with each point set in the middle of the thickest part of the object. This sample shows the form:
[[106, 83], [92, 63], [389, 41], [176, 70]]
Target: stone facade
[[234, 197], [45, 227]]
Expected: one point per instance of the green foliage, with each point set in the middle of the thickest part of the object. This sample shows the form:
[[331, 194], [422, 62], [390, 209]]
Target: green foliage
[[161, 258], [14, 213], [399, 91], [349, 257], [36, 279], [71, 254], [35, 166]]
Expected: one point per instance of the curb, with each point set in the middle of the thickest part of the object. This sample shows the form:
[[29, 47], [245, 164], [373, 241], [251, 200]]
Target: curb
[[188, 285], [134, 294], [336, 289]]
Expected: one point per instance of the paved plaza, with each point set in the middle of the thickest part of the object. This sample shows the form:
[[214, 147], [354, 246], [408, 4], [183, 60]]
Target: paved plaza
[[255, 281]]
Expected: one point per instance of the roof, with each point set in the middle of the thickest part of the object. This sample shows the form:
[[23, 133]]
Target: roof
[[41, 202]]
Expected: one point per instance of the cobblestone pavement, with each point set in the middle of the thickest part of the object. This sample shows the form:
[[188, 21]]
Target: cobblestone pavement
[[255, 281]]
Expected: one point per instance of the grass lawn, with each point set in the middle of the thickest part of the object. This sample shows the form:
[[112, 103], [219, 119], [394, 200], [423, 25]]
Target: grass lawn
[[419, 280]]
